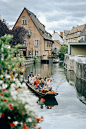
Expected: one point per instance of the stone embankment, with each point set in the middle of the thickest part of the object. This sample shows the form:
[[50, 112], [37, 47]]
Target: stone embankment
[[30, 61], [77, 64]]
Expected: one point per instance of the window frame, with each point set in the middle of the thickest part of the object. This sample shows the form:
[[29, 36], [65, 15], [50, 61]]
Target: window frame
[[24, 22], [36, 43]]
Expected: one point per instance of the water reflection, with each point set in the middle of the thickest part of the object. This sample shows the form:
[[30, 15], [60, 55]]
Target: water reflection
[[48, 103], [42, 69], [79, 84]]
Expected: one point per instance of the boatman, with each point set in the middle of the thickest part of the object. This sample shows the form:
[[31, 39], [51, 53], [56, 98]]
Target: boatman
[[31, 74]]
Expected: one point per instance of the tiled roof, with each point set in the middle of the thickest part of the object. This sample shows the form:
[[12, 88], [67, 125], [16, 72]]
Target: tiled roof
[[78, 28], [40, 26], [74, 30], [66, 32]]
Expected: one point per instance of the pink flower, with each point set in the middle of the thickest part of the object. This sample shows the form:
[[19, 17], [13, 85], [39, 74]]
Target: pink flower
[[10, 106]]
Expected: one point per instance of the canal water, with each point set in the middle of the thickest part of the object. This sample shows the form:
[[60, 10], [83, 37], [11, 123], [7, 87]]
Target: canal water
[[68, 109]]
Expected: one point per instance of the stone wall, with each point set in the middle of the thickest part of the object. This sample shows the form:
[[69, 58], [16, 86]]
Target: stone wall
[[77, 64]]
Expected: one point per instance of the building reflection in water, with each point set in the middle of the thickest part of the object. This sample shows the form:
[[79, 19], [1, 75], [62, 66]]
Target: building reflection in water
[[79, 84], [49, 102], [42, 69]]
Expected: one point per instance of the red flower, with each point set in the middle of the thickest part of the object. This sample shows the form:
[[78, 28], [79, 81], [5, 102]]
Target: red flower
[[16, 89], [2, 114], [39, 128], [12, 125], [5, 100], [42, 99], [24, 124], [34, 125], [1, 94], [10, 106], [25, 127], [38, 119], [42, 117], [3, 90]]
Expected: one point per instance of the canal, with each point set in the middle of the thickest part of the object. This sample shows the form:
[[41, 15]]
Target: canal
[[68, 109]]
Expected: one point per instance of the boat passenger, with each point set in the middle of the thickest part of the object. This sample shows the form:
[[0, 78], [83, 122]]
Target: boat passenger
[[45, 78], [49, 83], [41, 84], [31, 79], [45, 85], [36, 82], [39, 77]]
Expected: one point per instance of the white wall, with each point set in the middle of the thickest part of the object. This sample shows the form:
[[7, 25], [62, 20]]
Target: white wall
[[56, 36]]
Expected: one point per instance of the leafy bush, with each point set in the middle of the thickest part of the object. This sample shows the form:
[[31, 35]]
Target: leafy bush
[[17, 105], [63, 50]]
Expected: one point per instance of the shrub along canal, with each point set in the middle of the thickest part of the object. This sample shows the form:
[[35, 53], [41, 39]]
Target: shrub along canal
[[68, 109]]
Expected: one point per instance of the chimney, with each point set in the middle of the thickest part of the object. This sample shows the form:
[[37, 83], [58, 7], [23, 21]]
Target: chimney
[[54, 31]]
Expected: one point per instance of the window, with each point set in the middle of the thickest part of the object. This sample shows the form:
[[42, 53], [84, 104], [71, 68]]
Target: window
[[47, 44], [30, 32], [36, 42], [24, 43], [24, 22]]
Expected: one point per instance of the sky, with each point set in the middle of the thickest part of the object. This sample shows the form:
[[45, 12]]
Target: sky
[[58, 15]]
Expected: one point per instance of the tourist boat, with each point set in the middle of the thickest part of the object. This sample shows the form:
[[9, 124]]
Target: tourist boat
[[55, 61], [47, 94]]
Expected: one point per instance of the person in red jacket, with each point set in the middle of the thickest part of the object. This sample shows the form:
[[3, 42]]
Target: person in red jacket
[[36, 82]]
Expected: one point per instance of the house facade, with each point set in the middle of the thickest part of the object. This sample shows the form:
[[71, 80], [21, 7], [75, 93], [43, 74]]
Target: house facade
[[58, 41], [56, 46], [40, 42], [75, 34]]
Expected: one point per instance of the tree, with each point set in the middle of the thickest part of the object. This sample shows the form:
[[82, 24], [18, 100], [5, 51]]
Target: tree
[[3, 28], [19, 34], [63, 50]]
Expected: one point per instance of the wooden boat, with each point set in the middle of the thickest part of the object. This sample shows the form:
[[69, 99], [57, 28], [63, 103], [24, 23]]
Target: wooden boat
[[55, 61], [50, 93]]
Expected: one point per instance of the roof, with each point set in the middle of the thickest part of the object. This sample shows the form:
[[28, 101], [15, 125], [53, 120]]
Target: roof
[[78, 28], [39, 26], [75, 30], [66, 31]]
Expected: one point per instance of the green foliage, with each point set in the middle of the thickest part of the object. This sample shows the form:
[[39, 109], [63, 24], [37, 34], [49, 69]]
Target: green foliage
[[63, 50], [35, 59]]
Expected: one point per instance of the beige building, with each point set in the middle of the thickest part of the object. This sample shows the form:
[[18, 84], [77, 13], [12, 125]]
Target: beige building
[[65, 32], [74, 34], [41, 41], [76, 40], [56, 46]]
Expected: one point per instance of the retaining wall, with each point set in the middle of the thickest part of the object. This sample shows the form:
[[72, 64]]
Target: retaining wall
[[77, 64]]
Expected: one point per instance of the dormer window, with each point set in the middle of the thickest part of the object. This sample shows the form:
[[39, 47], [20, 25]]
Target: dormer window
[[24, 22]]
